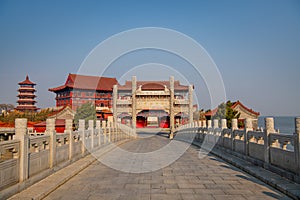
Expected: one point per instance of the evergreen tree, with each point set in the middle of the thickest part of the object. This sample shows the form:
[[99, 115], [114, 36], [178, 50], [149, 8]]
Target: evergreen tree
[[87, 112], [226, 112]]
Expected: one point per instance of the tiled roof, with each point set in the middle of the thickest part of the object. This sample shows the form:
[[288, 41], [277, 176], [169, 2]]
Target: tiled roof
[[57, 111], [87, 82], [152, 85], [212, 112], [27, 82], [235, 104]]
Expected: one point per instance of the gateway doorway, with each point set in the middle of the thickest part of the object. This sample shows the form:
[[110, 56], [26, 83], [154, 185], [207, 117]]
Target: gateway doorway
[[153, 119]]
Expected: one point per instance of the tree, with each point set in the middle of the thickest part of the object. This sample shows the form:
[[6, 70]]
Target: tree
[[226, 112], [10, 117], [199, 115], [6, 107], [87, 112]]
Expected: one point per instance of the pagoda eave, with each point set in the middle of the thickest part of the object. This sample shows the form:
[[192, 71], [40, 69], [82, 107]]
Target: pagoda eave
[[26, 95]]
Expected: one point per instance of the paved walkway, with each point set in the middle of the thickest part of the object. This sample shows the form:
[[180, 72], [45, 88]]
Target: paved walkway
[[187, 178]]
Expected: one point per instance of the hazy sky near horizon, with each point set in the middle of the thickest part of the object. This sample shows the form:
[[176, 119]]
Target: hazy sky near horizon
[[255, 44]]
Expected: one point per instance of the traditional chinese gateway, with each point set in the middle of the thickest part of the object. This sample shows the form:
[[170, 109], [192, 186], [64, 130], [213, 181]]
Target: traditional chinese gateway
[[164, 104]]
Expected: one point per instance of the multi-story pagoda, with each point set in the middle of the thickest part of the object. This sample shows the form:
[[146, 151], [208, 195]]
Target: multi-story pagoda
[[26, 96]]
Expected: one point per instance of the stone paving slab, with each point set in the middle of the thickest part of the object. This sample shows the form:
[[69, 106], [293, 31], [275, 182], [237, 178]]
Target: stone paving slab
[[284, 185]]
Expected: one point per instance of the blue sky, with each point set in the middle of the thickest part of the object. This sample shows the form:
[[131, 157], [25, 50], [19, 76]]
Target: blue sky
[[255, 44]]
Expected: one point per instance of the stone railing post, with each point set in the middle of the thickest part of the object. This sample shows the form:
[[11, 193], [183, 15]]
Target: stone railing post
[[91, 129], [109, 132], [204, 123], [223, 127], [21, 134], [234, 126], [113, 130], [297, 142], [199, 123], [98, 129], [69, 131], [116, 132], [50, 129], [216, 124], [81, 129], [248, 124], [269, 124], [223, 124], [196, 125], [208, 123], [104, 132], [248, 127]]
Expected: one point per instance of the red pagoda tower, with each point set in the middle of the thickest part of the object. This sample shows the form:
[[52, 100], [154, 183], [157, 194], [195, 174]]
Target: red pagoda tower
[[26, 96]]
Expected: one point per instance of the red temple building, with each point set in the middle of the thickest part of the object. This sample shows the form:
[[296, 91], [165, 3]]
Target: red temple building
[[80, 89], [26, 96]]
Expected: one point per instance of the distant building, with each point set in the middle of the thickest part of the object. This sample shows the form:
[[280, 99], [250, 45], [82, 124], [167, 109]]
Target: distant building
[[63, 112], [244, 111], [41, 127], [80, 89], [163, 104], [26, 96]]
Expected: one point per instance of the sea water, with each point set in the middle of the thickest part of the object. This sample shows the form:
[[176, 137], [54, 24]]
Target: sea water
[[286, 125]]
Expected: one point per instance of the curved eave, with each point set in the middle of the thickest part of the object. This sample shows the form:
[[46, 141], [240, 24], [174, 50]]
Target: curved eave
[[26, 90], [246, 108], [26, 95], [26, 108], [56, 89], [26, 83], [26, 100]]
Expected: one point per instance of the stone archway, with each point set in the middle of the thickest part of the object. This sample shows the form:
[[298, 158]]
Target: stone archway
[[125, 118], [153, 119]]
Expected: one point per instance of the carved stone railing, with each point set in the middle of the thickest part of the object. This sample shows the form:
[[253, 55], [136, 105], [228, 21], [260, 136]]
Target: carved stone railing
[[124, 101], [9, 163], [29, 158], [181, 101], [277, 152], [282, 151], [38, 154]]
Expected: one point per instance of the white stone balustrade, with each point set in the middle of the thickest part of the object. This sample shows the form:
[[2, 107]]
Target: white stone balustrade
[[50, 149], [277, 152]]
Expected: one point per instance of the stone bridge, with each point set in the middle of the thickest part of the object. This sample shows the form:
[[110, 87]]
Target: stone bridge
[[112, 161]]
